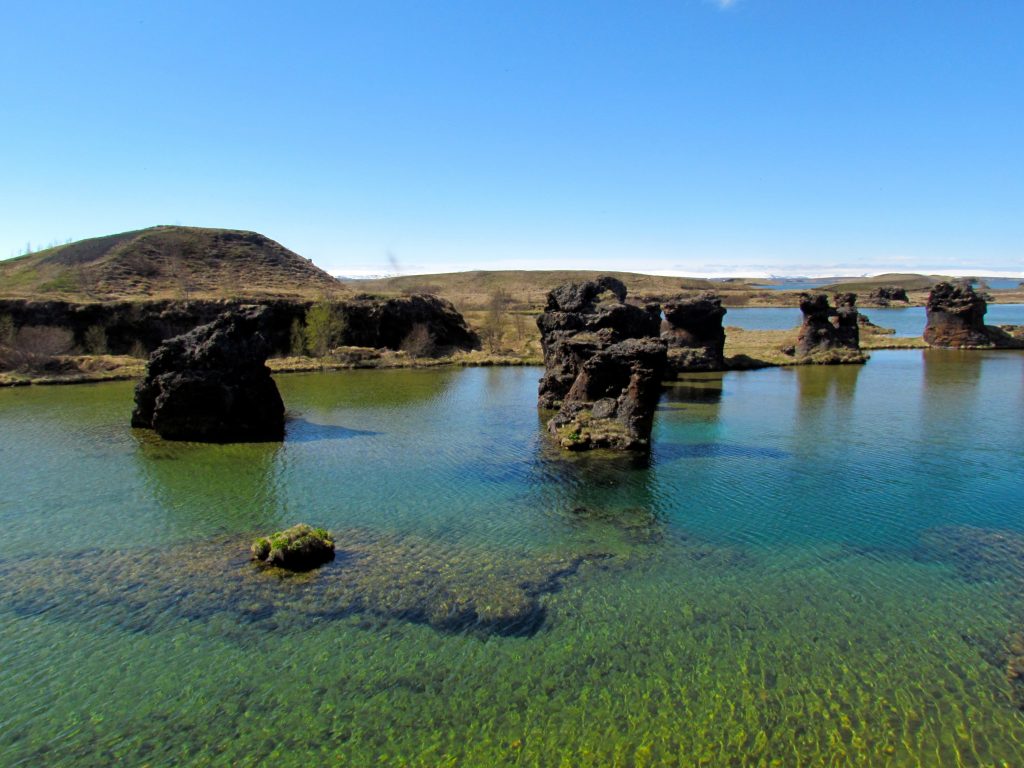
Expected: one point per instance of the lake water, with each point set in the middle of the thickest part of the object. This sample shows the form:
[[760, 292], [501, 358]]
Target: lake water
[[993, 283], [906, 321], [816, 566]]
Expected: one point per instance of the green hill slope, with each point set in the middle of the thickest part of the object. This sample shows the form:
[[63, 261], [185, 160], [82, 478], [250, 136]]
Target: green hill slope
[[164, 262], [910, 282]]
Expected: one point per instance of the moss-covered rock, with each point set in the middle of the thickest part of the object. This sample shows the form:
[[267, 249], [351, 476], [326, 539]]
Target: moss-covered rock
[[298, 548]]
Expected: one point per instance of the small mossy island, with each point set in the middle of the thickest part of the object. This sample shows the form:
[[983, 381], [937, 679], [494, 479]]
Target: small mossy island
[[299, 548]]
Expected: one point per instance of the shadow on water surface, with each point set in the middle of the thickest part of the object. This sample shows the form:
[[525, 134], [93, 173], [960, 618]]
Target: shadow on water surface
[[325, 392], [301, 430]]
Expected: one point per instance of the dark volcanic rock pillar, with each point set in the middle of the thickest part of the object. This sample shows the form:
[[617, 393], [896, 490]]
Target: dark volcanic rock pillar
[[611, 404], [580, 319], [693, 330], [829, 330], [211, 384], [846, 321], [956, 317], [603, 364]]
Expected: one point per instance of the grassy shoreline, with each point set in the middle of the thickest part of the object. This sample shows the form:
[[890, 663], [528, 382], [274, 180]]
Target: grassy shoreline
[[744, 350]]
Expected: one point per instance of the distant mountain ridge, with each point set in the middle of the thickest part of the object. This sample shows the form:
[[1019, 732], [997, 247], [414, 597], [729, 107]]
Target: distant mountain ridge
[[165, 262]]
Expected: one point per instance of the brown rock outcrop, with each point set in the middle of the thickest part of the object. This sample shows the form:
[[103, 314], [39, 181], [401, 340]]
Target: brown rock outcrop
[[211, 384], [580, 319], [604, 364], [693, 330], [611, 404], [956, 317], [829, 334], [887, 293]]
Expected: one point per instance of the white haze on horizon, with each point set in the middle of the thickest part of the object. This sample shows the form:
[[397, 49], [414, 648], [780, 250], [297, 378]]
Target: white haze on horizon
[[722, 273]]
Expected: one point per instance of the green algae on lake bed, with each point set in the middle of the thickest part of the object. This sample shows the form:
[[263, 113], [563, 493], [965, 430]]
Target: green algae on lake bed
[[404, 578], [789, 579]]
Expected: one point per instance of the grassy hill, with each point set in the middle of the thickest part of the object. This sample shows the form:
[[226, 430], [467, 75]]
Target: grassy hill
[[910, 282], [164, 262], [527, 288]]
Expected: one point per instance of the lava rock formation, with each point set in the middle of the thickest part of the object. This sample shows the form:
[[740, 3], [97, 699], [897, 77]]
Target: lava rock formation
[[693, 330], [829, 333], [956, 317], [604, 364], [211, 384]]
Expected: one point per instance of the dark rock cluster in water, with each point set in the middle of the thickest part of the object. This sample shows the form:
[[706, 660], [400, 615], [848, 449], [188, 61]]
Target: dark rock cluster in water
[[383, 577], [299, 548], [603, 365], [611, 404], [956, 317], [581, 318], [693, 330], [829, 334], [883, 295], [211, 384]]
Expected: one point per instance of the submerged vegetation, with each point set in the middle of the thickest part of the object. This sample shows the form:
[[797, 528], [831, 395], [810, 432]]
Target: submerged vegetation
[[490, 603]]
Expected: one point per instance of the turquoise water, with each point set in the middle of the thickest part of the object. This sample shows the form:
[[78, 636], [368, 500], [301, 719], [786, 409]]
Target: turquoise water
[[993, 283], [906, 321], [816, 566]]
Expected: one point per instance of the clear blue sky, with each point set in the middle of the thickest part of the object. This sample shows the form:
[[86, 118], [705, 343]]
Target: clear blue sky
[[785, 136]]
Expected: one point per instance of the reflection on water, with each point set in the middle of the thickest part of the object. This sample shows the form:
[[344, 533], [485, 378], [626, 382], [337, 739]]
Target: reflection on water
[[813, 566], [825, 400], [199, 486]]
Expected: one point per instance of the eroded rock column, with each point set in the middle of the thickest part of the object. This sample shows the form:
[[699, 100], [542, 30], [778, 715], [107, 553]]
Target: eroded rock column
[[603, 365], [829, 334], [693, 330], [956, 317]]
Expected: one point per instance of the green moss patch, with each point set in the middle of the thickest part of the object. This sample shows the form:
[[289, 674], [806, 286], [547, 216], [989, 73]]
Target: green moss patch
[[299, 548]]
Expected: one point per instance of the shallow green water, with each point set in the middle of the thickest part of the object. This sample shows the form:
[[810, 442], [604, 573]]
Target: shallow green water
[[788, 580]]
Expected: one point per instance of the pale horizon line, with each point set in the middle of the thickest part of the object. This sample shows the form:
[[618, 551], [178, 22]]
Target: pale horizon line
[[701, 274]]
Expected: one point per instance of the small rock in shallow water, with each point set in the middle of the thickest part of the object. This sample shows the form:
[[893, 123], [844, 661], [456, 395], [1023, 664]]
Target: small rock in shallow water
[[298, 548]]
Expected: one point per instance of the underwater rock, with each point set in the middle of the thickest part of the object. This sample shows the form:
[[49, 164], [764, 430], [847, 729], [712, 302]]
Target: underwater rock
[[693, 330], [612, 401], [979, 554], [401, 578], [299, 548], [211, 384], [579, 319], [983, 554], [829, 335], [956, 317]]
